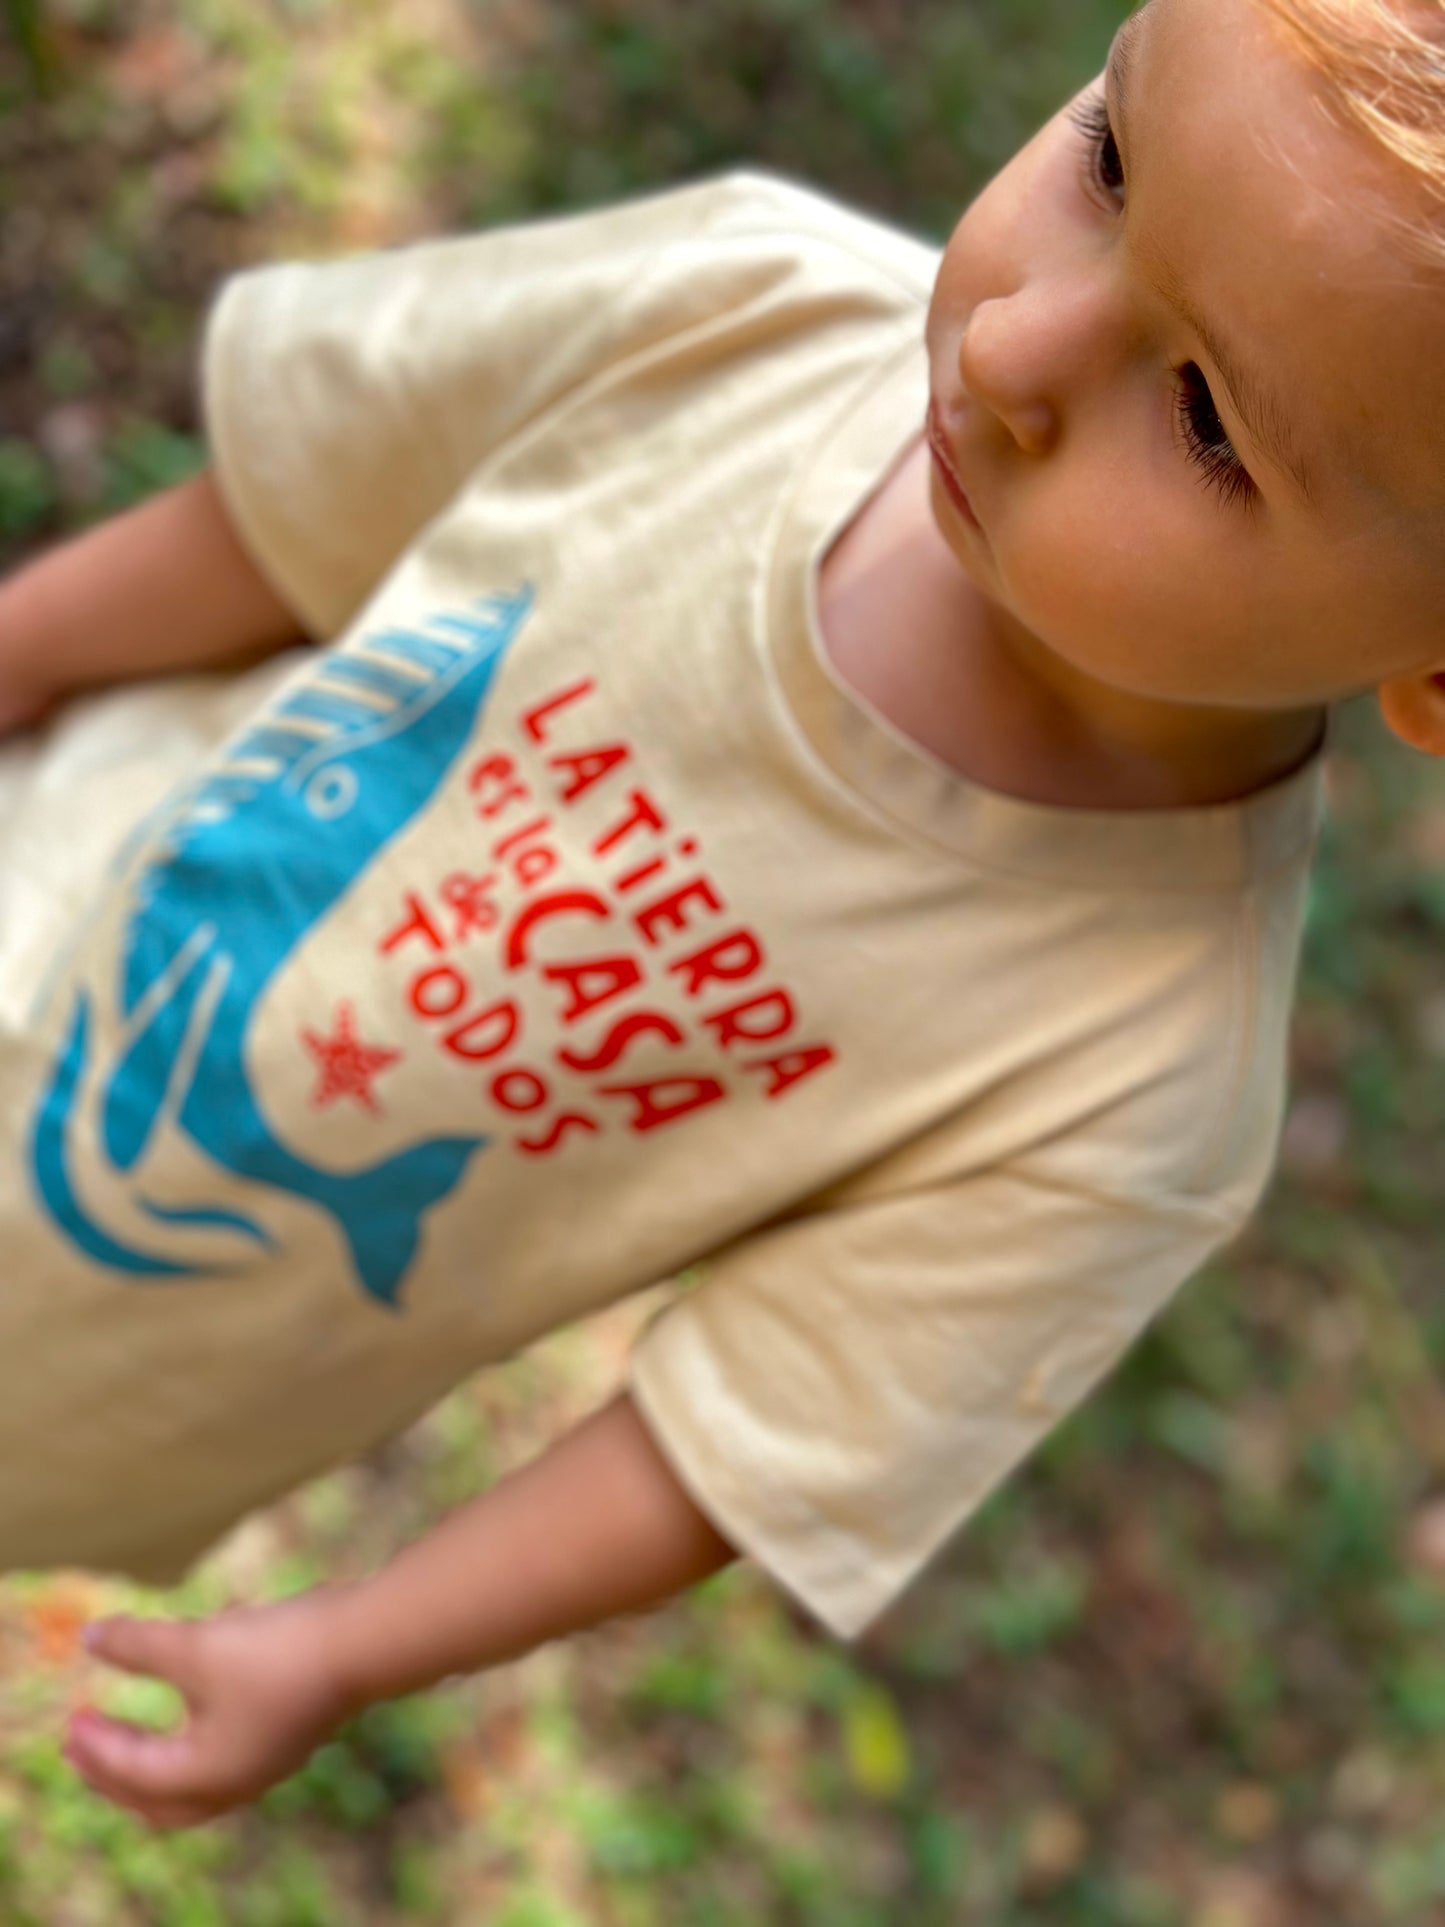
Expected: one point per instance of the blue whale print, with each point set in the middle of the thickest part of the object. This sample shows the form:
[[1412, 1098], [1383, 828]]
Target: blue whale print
[[248, 860]]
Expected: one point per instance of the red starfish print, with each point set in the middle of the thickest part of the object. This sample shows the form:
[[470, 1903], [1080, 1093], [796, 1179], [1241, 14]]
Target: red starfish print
[[347, 1065]]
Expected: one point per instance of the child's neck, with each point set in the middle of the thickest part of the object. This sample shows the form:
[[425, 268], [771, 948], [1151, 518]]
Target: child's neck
[[903, 625]]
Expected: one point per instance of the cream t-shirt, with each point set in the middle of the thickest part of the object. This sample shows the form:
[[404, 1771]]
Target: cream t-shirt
[[565, 920]]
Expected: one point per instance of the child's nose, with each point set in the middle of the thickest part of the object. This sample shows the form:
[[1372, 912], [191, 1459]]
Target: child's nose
[[998, 377], [1029, 356]]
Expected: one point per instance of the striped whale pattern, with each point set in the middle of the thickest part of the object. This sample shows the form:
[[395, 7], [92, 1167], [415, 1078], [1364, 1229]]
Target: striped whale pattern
[[233, 874]]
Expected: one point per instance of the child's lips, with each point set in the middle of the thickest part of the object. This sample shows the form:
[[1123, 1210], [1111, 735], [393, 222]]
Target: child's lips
[[943, 461]]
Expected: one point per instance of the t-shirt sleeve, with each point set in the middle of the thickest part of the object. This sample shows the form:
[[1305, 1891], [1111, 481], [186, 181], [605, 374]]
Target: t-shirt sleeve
[[841, 1391], [346, 401]]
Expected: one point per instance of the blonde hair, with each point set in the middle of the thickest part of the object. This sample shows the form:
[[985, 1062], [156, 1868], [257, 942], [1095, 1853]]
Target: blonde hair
[[1383, 63]]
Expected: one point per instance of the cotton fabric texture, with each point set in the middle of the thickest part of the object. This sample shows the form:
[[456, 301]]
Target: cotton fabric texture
[[562, 921]]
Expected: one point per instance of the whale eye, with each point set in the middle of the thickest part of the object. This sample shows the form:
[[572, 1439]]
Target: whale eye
[[331, 791]]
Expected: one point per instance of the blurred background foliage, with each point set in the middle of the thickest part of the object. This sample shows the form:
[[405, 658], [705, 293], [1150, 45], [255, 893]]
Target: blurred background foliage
[[1189, 1669]]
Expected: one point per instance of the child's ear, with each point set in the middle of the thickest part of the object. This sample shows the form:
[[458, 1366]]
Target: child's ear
[[1414, 708]]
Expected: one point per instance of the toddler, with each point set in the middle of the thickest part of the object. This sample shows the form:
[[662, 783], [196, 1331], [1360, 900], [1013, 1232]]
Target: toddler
[[811, 764]]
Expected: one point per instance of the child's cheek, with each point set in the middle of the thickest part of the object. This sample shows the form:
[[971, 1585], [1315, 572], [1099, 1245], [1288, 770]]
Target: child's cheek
[[1098, 589], [1073, 572]]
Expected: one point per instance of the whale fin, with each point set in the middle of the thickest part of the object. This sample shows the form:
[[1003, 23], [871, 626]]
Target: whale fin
[[50, 1164], [156, 1053], [382, 1222], [212, 1217]]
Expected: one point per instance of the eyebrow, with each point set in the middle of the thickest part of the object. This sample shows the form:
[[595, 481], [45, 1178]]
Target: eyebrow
[[1267, 422]]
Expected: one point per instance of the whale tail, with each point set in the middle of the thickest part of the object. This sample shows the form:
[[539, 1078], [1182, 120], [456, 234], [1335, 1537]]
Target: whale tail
[[381, 1216], [379, 1210]]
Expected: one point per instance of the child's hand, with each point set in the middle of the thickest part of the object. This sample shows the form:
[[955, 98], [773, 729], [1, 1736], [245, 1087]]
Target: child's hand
[[262, 1693]]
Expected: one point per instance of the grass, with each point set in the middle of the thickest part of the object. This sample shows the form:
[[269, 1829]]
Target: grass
[[1185, 1671]]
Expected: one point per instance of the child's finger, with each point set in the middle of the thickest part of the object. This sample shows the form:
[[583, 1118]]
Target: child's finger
[[168, 1814], [160, 1648], [138, 1765]]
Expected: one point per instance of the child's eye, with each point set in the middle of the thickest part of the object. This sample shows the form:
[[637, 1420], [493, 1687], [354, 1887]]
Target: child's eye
[[1210, 448], [1106, 164], [1205, 437]]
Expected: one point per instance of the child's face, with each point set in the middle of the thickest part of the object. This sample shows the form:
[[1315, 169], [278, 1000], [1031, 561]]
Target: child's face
[[1133, 512]]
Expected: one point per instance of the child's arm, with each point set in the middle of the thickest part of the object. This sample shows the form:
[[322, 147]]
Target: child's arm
[[598, 1526], [165, 586]]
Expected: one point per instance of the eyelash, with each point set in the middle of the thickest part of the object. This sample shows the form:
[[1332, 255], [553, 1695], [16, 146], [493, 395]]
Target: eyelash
[[1205, 436]]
